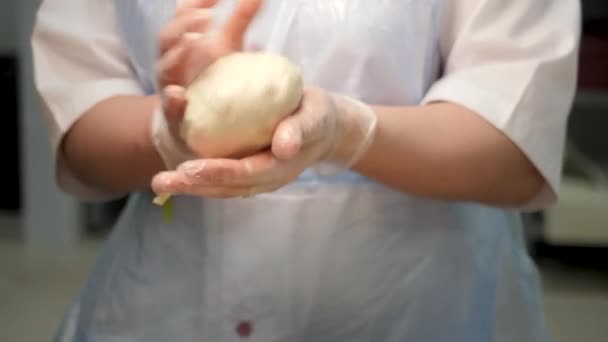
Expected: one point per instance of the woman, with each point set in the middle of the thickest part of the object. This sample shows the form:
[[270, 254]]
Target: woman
[[388, 206]]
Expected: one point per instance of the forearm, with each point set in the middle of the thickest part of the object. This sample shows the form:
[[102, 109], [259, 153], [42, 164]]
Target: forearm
[[110, 148], [444, 151]]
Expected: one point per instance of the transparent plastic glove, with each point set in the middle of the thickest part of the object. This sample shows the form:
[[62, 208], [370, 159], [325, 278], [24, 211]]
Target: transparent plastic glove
[[164, 133], [165, 129], [188, 44], [327, 129]]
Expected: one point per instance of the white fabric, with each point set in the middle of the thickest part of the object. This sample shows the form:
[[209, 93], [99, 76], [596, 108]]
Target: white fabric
[[512, 62], [79, 61], [344, 259]]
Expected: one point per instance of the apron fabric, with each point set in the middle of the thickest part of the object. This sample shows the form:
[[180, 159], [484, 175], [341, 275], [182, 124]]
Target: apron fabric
[[322, 259]]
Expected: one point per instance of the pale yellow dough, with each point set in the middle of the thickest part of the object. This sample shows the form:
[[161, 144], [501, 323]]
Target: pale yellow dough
[[235, 106]]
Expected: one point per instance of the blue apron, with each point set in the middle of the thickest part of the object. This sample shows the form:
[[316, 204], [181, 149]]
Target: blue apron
[[323, 260]]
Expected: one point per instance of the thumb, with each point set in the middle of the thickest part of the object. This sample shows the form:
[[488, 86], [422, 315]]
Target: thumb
[[174, 104], [239, 22], [311, 124], [288, 138]]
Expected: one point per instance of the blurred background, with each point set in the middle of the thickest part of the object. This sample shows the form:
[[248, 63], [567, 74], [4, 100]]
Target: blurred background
[[48, 241]]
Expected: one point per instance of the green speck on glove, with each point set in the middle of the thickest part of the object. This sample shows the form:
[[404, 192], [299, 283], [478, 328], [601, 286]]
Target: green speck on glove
[[168, 211]]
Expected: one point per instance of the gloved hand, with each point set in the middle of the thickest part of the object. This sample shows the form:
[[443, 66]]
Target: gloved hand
[[327, 129], [188, 45]]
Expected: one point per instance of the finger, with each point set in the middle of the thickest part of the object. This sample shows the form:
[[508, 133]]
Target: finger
[[197, 56], [251, 171], [176, 183], [312, 123], [217, 172], [217, 177], [169, 67], [239, 22], [174, 104], [183, 63], [287, 139], [169, 182], [316, 119], [260, 170], [197, 20], [188, 5], [218, 192]]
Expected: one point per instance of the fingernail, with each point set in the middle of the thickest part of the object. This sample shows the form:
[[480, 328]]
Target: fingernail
[[167, 180]]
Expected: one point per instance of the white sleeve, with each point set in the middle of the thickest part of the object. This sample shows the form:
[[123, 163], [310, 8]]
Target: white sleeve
[[515, 63], [79, 61]]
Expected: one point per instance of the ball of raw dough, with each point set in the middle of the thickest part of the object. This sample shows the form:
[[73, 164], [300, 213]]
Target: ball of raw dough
[[235, 105]]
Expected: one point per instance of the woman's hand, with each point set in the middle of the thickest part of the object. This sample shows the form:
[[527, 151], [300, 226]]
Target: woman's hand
[[327, 128], [187, 45]]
